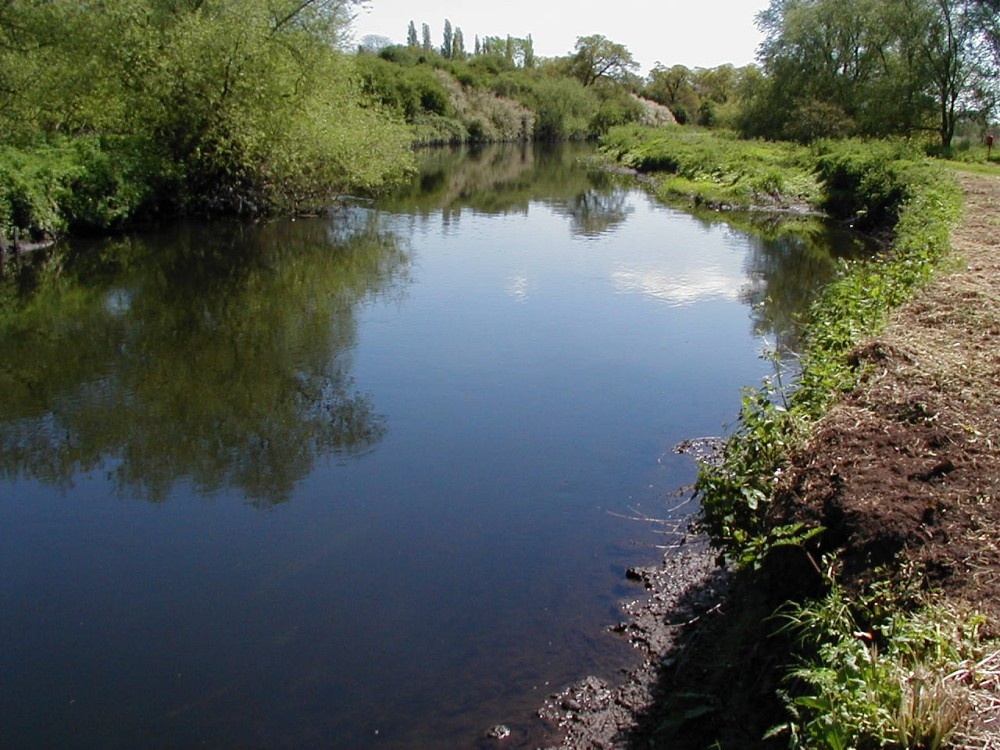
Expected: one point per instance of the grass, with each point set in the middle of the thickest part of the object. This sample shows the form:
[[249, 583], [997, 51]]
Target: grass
[[716, 169]]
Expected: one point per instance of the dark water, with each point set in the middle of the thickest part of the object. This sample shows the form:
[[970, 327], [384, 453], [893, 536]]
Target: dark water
[[359, 481]]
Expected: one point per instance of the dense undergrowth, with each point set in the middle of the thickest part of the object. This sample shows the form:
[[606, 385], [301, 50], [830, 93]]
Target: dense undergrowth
[[864, 669]]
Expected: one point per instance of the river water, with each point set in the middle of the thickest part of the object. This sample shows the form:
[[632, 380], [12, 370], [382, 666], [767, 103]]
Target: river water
[[368, 479]]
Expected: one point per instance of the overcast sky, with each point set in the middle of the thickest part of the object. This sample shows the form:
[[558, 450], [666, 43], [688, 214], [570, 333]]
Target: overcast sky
[[696, 33]]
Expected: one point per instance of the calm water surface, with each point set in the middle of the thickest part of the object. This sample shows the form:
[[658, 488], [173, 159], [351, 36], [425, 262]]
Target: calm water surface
[[359, 481]]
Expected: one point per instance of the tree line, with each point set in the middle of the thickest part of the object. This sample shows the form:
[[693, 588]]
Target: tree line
[[833, 68]]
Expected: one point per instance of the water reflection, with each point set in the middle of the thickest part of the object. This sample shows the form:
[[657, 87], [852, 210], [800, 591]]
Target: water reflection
[[777, 269], [220, 354], [788, 263], [505, 179]]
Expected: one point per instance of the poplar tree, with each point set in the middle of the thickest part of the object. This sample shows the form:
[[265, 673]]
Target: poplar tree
[[447, 50], [411, 36]]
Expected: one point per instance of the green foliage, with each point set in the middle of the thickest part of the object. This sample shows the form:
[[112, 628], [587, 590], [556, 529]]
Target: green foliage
[[874, 674], [564, 108], [598, 58], [407, 91], [736, 491], [79, 184], [866, 183], [873, 68], [617, 108], [716, 168], [920, 204], [219, 105]]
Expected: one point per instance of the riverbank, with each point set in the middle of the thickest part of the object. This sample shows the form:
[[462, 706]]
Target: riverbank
[[902, 472]]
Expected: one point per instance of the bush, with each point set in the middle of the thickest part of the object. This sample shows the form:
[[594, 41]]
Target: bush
[[867, 182], [615, 110], [81, 184], [563, 109]]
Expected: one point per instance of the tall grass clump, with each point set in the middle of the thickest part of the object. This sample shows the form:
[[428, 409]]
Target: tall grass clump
[[875, 671]]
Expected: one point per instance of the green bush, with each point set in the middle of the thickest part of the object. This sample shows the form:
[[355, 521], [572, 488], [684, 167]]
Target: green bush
[[866, 181], [563, 108], [80, 184], [616, 109]]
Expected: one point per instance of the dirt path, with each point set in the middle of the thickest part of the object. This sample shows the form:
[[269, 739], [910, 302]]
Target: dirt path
[[909, 463]]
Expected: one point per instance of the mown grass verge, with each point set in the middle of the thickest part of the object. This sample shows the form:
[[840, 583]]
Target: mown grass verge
[[874, 667]]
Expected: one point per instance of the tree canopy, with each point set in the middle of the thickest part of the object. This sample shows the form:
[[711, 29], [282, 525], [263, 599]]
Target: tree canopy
[[204, 105], [599, 58], [875, 67]]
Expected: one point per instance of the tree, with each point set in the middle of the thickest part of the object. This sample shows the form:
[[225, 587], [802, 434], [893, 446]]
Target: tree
[[427, 44], [458, 45], [528, 49], [873, 67], [673, 87], [447, 49], [217, 105], [411, 36], [599, 58], [951, 48]]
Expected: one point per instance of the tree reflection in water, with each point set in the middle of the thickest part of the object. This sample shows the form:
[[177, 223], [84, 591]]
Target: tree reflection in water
[[219, 354]]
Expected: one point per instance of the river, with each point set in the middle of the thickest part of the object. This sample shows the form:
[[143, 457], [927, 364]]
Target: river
[[369, 479]]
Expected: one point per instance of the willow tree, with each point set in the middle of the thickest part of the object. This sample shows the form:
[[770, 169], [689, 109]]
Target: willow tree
[[237, 105], [600, 58], [873, 67]]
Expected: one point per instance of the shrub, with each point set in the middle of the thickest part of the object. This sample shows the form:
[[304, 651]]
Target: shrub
[[82, 184], [867, 182]]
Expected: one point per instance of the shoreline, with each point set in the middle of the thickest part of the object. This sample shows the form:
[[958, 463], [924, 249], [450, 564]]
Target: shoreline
[[684, 588], [941, 344]]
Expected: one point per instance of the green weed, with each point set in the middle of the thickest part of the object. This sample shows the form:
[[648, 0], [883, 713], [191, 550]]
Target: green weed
[[874, 674]]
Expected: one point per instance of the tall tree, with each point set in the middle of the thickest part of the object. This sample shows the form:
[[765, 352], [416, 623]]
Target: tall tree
[[458, 45], [528, 49], [447, 50], [874, 67], [411, 36], [673, 87], [952, 46], [427, 44]]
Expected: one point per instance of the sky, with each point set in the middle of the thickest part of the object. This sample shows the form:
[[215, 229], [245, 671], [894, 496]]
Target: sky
[[695, 33]]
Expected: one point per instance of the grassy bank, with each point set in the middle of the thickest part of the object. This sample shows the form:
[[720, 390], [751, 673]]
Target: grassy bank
[[717, 169], [841, 655]]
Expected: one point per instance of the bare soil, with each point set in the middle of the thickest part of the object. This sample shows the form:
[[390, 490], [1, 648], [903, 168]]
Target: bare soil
[[904, 470], [910, 462]]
